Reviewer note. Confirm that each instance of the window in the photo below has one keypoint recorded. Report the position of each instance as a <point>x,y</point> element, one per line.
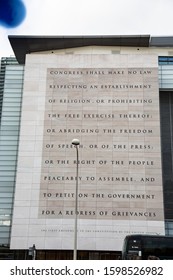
<point>165,60</point>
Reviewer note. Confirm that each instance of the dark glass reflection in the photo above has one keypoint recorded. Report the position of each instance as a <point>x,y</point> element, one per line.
<point>166,115</point>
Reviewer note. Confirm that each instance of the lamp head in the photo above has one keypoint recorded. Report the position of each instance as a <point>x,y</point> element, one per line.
<point>75,142</point>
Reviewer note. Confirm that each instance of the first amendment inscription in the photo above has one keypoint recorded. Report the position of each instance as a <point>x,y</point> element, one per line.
<point>115,115</point>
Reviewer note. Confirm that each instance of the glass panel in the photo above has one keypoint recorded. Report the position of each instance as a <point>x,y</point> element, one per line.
<point>165,85</point>
<point>9,179</point>
<point>13,127</point>
<point>165,80</point>
<point>13,139</point>
<point>4,233</point>
<point>5,201</point>
<point>6,195</point>
<point>14,68</point>
<point>166,114</point>
<point>5,222</point>
<point>8,153</point>
<point>11,113</point>
<point>10,143</point>
<point>14,99</point>
<point>5,211</point>
<point>165,60</point>
<point>13,92</point>
<point>16,76</point>
<point>9,104</point>
<point>167,71</point>
<point>7,206</point>
<point>4,240</point>
<point>7,148</point>
<point>10,118</point>
<point>10,123</point>
<point>5,187</point>
<point>11,109</point>
<point>12,85</point>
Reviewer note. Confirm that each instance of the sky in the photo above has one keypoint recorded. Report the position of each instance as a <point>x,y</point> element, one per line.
<point>85,17</point>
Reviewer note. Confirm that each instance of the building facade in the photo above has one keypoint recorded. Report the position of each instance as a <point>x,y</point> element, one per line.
<point>114,94</point>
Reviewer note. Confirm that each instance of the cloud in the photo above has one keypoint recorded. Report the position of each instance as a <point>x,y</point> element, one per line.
<point>12,13</point>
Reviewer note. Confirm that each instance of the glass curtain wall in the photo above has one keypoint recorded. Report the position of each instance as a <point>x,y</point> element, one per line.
<point>11,97</point>
<point>166,115</point>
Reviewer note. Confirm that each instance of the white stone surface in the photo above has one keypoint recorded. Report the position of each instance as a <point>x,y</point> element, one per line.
<point>112,155</point>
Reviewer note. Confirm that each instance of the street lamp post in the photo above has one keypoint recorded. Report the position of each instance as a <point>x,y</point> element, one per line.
<point>76,143</point>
